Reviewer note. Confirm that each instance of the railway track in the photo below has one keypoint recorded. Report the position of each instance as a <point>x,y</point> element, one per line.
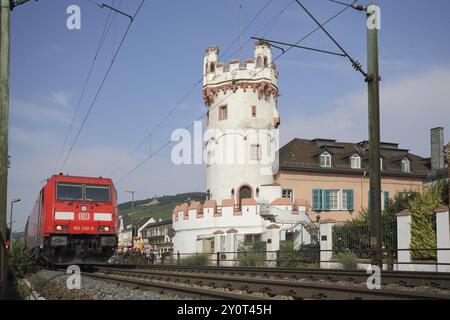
<point>405,279</point>
<point>257,283</point>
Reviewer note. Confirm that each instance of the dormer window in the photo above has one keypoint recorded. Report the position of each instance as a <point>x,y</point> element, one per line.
<point>406,165</point>
<point>355,162</point>
<point>325,159</point>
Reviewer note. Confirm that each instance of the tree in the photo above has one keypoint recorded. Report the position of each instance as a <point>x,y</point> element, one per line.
<point>423,224</point>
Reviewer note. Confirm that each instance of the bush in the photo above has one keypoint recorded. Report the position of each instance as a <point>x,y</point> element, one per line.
<point>196,260</point>
<point>21,259</point>
<point>289,256</point>
<point>252,255</point>
<point>348,260</point>
<point>134,259</point>
<point>423,229</point>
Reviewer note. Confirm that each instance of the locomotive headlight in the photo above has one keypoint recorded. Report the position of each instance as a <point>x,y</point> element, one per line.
<point>59,227</point>
<point>106,229</point>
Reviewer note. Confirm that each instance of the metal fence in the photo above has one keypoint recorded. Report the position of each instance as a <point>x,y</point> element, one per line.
<point>303,257</point>
<point>354,236</point>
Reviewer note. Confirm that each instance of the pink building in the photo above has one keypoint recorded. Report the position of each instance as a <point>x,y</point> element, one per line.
<point>333,176</point>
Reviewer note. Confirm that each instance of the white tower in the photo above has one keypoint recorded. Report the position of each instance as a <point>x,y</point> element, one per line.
<point>242,119</point>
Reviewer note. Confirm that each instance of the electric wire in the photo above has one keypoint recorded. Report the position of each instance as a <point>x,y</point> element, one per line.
<point>101,84</point>
<point>100,44</point>
<point>225,97</point>
<point>197,83</point>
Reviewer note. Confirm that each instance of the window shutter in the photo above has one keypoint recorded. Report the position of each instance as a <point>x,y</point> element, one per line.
<point>317,201</point>
<point>326,200</point>
<point>386,198</point>
<point>350,201</point>
<point>368,199</point>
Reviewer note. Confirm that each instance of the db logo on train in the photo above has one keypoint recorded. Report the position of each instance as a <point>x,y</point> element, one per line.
<point>83,216</point>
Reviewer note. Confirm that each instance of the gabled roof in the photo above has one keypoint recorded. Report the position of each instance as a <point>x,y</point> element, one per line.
<point>302,154</point>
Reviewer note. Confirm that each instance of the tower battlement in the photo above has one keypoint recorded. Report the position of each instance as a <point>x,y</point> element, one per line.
<point>258,74</point>
<point>260,67</point>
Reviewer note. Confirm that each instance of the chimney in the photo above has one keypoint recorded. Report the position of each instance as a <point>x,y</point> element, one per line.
<point>437,148</point>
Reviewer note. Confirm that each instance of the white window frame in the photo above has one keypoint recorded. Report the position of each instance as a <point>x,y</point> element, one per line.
<point>406,165</point>
<point>344,195</point>
<point>357,163</point>
<point>289,192</point>
<point>337,197</point>
<point>381,164</point>
<point>326,157</point>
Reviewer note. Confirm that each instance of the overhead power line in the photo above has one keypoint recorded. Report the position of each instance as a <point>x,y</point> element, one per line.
<point>225,97</point>
<point>100,44</point>
<point>102,83</point>
<point>355,63</point>
<point>197,83</point>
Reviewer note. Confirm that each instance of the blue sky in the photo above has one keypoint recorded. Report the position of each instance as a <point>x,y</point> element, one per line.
<point>162,57</point>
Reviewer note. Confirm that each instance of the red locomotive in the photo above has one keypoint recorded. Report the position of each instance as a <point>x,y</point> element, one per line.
<point>74,217</point>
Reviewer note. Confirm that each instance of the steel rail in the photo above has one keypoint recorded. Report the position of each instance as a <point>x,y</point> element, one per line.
<point>166,287</point>
<point>271,287</point>
<point>403,278</point>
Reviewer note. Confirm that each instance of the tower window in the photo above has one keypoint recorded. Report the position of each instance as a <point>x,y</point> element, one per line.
<point>258,62</point>
<point>406,165</point>
<point>207,118</point>
<point>254,111</point>
<point>325,160</point>
<point>266,61</point>
<point>255,152</point>
<point>223,112</point>
<point>212,67</point>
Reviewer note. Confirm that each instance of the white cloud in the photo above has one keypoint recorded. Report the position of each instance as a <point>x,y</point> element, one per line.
<point>60,98</point>
<point>40,112</point>
<point>409,108</point>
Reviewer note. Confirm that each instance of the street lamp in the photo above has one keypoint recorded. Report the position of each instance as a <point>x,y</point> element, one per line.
<point>132,218</point>
<point>11,220</point>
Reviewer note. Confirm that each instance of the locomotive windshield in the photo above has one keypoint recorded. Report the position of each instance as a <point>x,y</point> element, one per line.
<point>81,192</point>
<point>66,191</point>
<point>97,193</point>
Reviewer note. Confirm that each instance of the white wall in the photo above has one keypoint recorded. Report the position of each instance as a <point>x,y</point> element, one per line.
<point>443,240</point>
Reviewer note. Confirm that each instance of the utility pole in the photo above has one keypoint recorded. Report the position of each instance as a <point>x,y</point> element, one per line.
<point>373,79</point>
<point>4,110</point>
<point>373,83</point>
<point>132,214</point>
<point>11,222</point>
<point>6,7</point>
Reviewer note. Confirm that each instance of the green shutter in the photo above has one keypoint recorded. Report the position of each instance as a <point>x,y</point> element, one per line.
<point>386,199</point>
<point>326,200</point>
<point>317,199</point>
<point>350,201</point>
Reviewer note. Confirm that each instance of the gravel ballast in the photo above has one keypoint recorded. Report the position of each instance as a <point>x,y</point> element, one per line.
<point>52,285</point>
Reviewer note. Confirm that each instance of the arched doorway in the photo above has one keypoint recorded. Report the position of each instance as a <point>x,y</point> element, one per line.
<point>244,193</point>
